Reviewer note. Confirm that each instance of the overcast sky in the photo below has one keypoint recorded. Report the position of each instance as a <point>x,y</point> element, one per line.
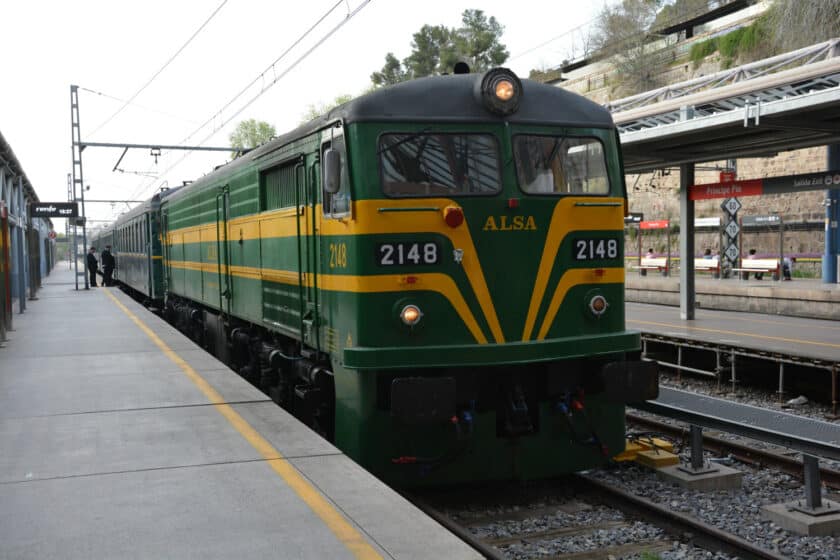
<point>111,49</point>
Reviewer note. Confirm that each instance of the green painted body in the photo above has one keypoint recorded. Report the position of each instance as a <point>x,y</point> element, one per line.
<point>316,280</point>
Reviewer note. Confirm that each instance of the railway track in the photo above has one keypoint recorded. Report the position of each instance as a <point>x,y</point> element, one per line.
<point>576,518</point>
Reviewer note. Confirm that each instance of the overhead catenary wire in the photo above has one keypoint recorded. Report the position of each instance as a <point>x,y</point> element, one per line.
<point>162,68</point>
<point>264,88</point>
<point>138,105</point>
<point>144,187</point>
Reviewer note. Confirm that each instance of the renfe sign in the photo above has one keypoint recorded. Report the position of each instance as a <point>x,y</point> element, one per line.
<point>654,224</point>
<point>53,209</point>
<point>771,185</point>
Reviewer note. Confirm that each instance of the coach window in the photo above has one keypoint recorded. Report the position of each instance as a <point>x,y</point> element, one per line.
<point>560,165</point>
<point>337,204</point>
<point>424,164</point>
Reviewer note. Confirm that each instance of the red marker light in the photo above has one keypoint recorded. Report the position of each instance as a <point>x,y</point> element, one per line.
<point>453,216</point>
<point>599,272</point>
<point>513,203</point>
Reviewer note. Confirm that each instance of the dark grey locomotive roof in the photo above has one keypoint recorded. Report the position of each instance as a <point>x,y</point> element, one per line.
<point>451,98</point>
<point>437,99</point>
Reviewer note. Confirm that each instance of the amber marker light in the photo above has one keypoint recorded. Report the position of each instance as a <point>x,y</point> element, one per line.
<point>411,315</point>
<point>499,90</point>
<point>505,90</point>
<point>598,305</point>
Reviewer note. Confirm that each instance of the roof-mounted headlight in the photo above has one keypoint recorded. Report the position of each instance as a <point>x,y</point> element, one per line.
<point>500,91</point>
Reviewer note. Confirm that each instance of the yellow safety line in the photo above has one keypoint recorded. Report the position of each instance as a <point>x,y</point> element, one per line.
<point>736,333</point>
<point>346,533</point>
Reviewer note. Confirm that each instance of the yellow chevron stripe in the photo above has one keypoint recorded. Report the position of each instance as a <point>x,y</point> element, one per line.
<point>434,282</point>
<point>568,217</point>
<point>282,223</point>
<point>571,278</point>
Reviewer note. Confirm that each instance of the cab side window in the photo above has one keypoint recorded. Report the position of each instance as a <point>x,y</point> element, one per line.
<point>337,204</point>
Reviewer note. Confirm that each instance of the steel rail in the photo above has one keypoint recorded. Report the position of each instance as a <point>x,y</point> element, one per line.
<point>704,535</point>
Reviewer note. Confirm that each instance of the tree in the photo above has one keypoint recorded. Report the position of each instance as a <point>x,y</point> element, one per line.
<point>313,112</point>
<point>391,73</point>
<point>250,134</point>
<point>477,41</point>
<point>436,49</point>
<point>623,34</point>
<point>431,46</point>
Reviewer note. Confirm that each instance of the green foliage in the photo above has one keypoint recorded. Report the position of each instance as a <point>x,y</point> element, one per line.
<point>744,44</point>
<point>250,134</point>
<point>650,556</point>
<point>313,111</point>
<point>391,73</point>
<point>701,50</point>
<point>436,49</point>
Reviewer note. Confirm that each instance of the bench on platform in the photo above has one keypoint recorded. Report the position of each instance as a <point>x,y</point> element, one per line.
<point>758,266</point>
<point>653,263</point>
<point>708,265</point>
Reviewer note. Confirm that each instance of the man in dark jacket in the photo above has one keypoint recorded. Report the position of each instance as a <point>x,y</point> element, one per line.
<point>92,265</point>
<point>108,264</point>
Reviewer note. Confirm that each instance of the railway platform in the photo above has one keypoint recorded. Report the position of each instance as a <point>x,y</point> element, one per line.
<point>121,438</point>
<point>800,297</point>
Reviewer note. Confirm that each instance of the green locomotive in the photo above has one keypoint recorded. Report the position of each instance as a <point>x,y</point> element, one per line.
<point>431,275</point>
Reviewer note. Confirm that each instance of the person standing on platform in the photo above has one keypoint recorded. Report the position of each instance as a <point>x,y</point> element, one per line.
<point>92,265</point>
<point>108,264</point>
<point>787,267</point>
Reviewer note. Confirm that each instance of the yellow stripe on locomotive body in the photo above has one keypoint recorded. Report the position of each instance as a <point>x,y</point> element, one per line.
<point>373,218</point>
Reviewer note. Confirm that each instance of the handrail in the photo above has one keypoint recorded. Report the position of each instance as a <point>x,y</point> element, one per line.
<point>661,406</point>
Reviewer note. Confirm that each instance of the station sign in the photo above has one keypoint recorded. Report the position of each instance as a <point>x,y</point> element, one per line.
<point>727,176</point>
<point>707,222</point>
<point>53,209</point>
<point>771,220</point>
<point>771,185</point>
<point>654,224</point>
<point>634,218</point>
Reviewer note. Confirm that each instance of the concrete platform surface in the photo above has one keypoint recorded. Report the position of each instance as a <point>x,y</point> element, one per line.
<point>113,449</point>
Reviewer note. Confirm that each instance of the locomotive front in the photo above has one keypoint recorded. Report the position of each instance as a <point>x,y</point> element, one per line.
<point>477,325</point>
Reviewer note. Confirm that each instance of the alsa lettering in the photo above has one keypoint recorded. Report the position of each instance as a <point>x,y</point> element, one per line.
<point>510,223</point>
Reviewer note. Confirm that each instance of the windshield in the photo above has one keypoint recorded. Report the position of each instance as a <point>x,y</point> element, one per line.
<point>560,165</point>
<point>427,164</point>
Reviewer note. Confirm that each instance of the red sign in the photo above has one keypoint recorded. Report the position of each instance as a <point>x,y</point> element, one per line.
<point>52,235</point>
<point>727,176</point>
<point>750,187</point>
<point>654,224</point>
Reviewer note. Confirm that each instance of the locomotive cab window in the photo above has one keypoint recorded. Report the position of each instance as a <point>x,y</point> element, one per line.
<point>427,164</point>
<point>336,200</point>
<point>560,165</point>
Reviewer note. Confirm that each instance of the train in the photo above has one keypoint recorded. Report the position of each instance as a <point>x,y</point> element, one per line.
<point>430,275</point>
